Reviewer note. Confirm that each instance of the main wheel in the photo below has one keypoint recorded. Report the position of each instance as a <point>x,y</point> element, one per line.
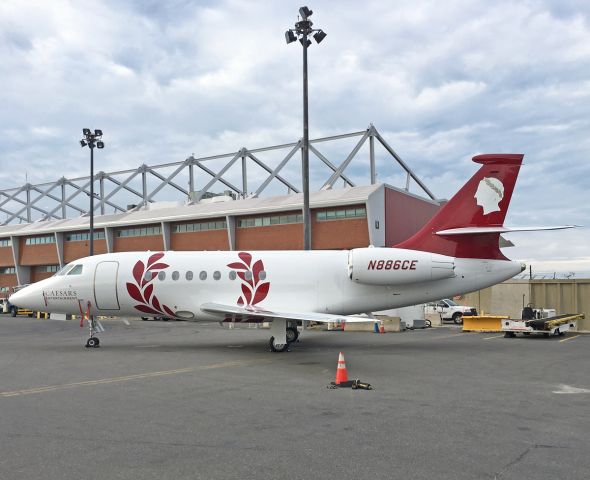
<point>277,347</point>
<point>458,318</point>
<point>92,342</point>
<point>292,334</point>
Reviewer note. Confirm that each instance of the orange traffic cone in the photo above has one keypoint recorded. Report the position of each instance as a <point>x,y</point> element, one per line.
<point>341,375</point>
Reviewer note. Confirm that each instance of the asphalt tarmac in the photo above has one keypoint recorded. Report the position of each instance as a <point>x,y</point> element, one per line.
<point>178,400</point>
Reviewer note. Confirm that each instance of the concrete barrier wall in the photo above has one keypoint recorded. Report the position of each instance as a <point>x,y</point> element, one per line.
<point>566,296</point>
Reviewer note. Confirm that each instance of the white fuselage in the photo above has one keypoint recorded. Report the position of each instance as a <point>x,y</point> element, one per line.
<point>299,281</point>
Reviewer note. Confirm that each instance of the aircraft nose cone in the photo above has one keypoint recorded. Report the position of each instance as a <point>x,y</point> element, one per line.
<point>15,298</point>
<point>23,298</point>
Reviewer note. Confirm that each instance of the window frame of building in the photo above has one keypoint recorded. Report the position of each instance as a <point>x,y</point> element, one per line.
<point>84,236</point>
<point>341,214</point>
<point>40,240</point>
<point>47,268</point>
<point>270,220</point>
<point>202,226</point>
<point>152,231</point>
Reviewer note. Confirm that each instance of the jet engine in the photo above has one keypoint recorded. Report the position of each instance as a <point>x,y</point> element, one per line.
<point>396,266</point>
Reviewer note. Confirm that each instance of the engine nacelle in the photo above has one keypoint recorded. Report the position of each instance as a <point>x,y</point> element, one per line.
<point>397,266</point>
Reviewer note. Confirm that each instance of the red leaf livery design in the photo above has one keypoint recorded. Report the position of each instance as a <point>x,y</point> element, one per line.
<point>254,289</point>
<point>142,291</point>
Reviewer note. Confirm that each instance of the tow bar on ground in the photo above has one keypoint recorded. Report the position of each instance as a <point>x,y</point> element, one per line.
<point>354,384</point>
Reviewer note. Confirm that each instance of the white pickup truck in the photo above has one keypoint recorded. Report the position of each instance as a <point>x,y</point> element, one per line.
<point>449,310</point>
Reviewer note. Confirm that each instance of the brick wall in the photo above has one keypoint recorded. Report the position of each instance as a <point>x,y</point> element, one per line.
<point>205,240</point>
<point>45,254</point>
<point>79,249</point>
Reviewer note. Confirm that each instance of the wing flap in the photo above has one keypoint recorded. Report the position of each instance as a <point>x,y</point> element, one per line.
<point>256,313</point>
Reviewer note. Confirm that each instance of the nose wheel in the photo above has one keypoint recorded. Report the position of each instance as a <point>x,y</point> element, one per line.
<point>94,327</point>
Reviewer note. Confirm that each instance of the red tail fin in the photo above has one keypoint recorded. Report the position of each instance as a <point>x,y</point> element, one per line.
<point>482,202</point>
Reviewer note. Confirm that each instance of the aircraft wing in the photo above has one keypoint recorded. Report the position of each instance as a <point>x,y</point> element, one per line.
<point>255,313</point>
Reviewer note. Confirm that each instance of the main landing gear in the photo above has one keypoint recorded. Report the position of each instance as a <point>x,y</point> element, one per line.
<point>283,334</point>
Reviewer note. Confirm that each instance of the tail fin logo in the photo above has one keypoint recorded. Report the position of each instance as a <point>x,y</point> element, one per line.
<point>489,194</point>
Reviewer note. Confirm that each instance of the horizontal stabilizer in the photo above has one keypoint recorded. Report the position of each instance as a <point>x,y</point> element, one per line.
<point>501,229</point>
<point>256,313</point>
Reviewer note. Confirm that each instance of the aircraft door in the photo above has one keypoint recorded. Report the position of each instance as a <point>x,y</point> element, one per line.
<point>105,286</point>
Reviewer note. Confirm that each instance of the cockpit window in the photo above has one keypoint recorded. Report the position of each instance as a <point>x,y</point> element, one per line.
<point>64,269</point>
<point>77,270</point>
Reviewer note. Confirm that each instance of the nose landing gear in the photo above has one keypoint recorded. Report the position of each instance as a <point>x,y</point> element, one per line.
<point>94,327</point>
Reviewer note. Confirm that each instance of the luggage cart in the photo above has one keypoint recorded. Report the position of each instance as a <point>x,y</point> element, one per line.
<point>557,325</point>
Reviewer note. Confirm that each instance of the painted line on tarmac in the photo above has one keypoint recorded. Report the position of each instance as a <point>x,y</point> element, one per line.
<point>442,337</point>
<point>495,336</point>
<point>568,390</point>
<point>147,346</point>
<point>569,338</point>
<point>140,376</point>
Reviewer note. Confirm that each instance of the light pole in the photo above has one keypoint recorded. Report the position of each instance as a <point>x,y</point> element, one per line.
<point>303,28</point>
<point>92,140</point>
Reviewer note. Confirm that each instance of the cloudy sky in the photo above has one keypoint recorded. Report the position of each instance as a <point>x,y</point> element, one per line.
<point>441,81</point>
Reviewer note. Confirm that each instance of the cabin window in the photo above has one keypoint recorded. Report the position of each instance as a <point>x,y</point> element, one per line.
<point>162,276</point>
<point>175,275</point>
<point>77,270</point>
<point>203,275</point>
<point>232,275</point>
<point>216,275</point>
<point>262,275</point>
<point>147,276</point>
<point>189,275</point>
<point>248,275</point>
